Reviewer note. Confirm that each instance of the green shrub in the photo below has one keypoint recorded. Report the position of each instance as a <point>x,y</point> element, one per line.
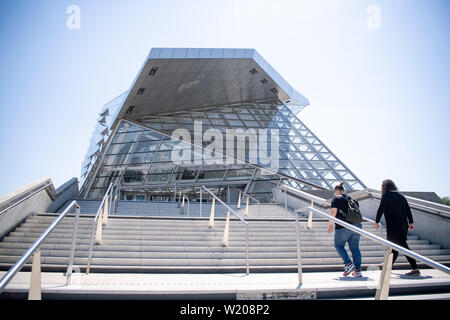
<point>446,200</point>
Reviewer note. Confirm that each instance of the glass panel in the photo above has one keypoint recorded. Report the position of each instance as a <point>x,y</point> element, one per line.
<point>120,148</point>
<point>148,146</point>
<point>128,127</point>
<point>125,137</point>
<point>163,156</point>
<point>252,124</point>
<point>235,123</point>
<point>142,157</point>
<point>150,136</point>
<point>211,175</point>
<point>239,174</point>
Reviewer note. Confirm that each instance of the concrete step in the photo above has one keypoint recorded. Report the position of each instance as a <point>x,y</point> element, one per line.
<point>211,236</point>
<point>149,244</point>
<point>196,228</point>
<point>218,253</point>
<point>209,248</point>
<point>180,223</point>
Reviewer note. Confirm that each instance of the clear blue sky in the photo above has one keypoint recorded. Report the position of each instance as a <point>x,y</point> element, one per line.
<point>379,97</point>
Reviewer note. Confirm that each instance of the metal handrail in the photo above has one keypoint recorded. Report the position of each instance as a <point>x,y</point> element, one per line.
<point>36,245</point>
<point>317,200</point>
<point>47,184</point>
<point>418,206</point>
<point>371,236</point>
<point>94,223</point>
<point>240,218</point>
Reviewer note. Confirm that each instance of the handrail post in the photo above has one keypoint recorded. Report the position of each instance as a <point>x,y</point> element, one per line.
<point>299,259</point>
<point>259,211</point>
<point>105,211</point>
<point>98,232</point>
<point>246,250</point>
<point>246,207</point>
<point>201,201</point>
<point>211,215</point>
<point>182,206</point>
<point>385,277</point>
<point>189,206</point>
<point>35,282</point>
<point>239,201</point>
<point>226,231</point>
<point>72,248</point>
<point>285,202</point>
<point>309,224</point>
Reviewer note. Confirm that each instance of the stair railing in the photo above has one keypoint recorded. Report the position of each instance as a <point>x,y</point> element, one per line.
<point>309,197</point>
<point>227,224</point>
<point>248,197</point>
<point>100,220</point>
<point>35,290</point>
<point>382,292</point>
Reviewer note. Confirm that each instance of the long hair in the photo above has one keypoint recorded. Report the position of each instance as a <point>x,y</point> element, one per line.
<point>388,185</point>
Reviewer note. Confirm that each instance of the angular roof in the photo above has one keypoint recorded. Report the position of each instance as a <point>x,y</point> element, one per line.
<point>173,79</point>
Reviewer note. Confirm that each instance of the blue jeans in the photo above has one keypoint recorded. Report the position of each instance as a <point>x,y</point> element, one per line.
<point>341,237</point>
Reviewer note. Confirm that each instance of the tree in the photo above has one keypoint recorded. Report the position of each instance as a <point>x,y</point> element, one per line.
<point>446,200</point>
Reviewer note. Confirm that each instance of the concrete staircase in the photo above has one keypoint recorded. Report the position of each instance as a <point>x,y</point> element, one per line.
<point>169,242</point>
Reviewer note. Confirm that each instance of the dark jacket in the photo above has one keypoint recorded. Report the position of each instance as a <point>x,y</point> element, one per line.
<point>397,213</point>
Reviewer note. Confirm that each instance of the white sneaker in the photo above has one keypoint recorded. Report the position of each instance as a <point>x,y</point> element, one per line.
<point>348,268</point>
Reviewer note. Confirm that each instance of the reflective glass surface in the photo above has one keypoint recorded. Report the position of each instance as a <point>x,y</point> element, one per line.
<point>142,156</point>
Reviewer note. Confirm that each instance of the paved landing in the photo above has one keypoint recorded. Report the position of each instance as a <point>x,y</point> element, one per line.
<point>253,286</point>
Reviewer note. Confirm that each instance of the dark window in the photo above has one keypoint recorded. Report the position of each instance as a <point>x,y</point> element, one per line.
<point>153,71</point>
<point>130,109</point>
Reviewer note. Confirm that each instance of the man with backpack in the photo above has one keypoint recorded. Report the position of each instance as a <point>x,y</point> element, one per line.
<point>345,208</point>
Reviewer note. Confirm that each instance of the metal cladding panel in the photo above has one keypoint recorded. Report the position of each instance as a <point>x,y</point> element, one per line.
<point>188,78</point>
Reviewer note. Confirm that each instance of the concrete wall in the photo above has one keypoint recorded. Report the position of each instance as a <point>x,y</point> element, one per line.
<point>66,192</point>
<point>40,201</point>
<point>294,202</point>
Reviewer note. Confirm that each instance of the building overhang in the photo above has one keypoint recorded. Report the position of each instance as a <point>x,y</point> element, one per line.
<point>174,79</point>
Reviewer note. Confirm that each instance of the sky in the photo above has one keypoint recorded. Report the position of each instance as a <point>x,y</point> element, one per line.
<point>376,73</point>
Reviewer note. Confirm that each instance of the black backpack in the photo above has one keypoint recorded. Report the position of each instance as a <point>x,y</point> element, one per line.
<point>353,214</point>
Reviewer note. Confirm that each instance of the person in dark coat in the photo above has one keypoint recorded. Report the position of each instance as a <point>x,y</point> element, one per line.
<point>398,218</point>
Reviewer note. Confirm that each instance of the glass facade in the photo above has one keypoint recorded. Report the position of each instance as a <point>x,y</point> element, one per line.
<point>140,155</point>
<point>101,134</point>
